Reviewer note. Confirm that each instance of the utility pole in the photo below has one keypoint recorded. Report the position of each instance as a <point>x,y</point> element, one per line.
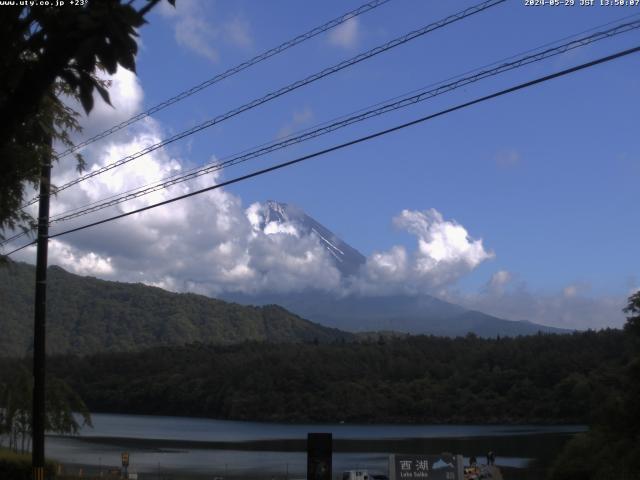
<point>40,321</point>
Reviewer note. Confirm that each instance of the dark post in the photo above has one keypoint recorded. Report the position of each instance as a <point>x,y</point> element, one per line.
<point>40,320</point>
<point>319,453</point>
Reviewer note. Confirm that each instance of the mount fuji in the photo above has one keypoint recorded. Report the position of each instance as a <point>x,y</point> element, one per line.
<point>423,314</point>
<point>347,259</point>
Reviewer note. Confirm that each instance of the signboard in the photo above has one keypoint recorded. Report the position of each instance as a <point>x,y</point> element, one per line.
<point>426,467</point>
<point>319,450</point>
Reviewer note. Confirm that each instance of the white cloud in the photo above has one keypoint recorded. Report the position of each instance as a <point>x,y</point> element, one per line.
<point>126,97</point>
<point>444,247</point>
<point>444,253</point>
<point>498,283</point>
<point>392,266</point>
<point>499,279</point>
<point>88,263</point>
<point>196,33</point>
<point>205,244</point>
<point>210,243</point>
<point>345,35</point>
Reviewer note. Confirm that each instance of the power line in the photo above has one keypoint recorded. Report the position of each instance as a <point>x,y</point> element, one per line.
<point>230,72</point>
<point>623,28</point>
<point>284,90</point>
<point>14,237</point>
<point>345,121</point>
<point>279,166</point>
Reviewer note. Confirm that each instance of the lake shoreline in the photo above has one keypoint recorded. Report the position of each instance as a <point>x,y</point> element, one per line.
<point>392,421</point>
<point>351,445</point>
<point>190,448</point>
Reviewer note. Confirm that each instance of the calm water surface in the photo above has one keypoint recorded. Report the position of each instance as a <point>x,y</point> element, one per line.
<point>163,445</point>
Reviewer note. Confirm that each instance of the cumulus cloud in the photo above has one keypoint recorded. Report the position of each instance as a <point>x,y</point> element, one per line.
<point>444,253</point>
<point>88,263</point>
<point>441,243</point>
<point>211,244</point>
<point>126,95</point>
<point>196,33</point>
<point>206,244</point>
<point>345,35</point>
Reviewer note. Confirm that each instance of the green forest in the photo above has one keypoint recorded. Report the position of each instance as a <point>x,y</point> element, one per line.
<point>586,377</point>
<point>87,315</point>
<point>246,363</point>
<point>534,379</point>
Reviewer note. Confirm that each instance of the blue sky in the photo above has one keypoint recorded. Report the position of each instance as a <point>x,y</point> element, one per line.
<point>546,177</point>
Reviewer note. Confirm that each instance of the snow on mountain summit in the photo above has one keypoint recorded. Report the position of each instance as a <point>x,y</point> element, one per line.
<point>276,216</point>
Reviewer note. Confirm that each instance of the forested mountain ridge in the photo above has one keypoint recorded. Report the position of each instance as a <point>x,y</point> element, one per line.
<point>533,379</point>
<point>88,315</point>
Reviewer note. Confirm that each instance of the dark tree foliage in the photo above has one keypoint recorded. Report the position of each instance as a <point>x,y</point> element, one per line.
<point>16,396</point>
<point>536,379</point>
<point>30,147</point>
<point>633,310</point>
<point>611,449</point>
<point>46,51</point>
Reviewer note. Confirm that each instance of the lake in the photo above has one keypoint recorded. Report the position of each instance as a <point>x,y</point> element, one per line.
<point>164,446</point>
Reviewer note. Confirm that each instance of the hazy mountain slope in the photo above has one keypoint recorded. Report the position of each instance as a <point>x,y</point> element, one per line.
<point>87,315</point>
<point>399,313</point>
